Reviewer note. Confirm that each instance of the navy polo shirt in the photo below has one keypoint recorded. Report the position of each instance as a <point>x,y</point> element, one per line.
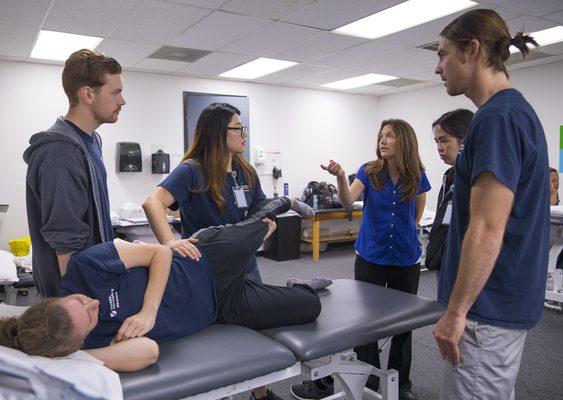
<point>388,234</point>
<point>506,139</point>
<point>188,303</point>
<point>197,208</point>
<point>95,153</point>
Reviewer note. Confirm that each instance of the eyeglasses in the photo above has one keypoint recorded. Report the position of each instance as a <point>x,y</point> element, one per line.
<point>243,130</point>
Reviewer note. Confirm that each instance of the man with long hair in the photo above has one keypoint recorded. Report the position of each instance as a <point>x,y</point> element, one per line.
<point>493,273</point>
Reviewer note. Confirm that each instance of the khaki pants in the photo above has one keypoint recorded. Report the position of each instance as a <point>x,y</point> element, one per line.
<point>490,360</point>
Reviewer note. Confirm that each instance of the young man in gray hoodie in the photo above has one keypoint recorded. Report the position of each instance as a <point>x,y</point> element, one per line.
<point>66,182</point>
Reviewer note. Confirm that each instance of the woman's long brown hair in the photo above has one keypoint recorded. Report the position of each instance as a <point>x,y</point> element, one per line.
<point>44,329</point>
<point>209,150</point>
<point>406,156</point>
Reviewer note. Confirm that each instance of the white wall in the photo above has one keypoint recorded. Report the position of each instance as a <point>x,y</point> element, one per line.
<point>307,126</point>
<point>542,86</point>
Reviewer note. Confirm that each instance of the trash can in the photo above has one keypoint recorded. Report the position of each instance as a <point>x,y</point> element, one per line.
<point>284,243</point>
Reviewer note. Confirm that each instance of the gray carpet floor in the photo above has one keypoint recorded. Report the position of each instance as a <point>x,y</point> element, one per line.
<point>541,372</point>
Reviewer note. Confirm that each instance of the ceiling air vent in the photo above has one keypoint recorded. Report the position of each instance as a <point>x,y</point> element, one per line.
<point>430,46</point>
<point>179,54</point>
<point>400,82</point>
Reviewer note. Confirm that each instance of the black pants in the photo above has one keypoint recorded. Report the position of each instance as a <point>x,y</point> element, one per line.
<point>401,278</point>
<point>243,301</point>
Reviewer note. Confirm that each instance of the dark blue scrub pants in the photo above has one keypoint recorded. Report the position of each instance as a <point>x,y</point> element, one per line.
<point>243,301</point>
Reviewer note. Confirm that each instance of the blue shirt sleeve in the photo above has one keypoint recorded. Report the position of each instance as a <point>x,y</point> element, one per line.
<point>493,148</point>
<point>423,184</point>
<point>180,184</point>
<point>361,176</point>
<point>99,265</point>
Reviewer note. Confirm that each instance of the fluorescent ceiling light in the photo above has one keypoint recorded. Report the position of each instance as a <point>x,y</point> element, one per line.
<point>59,45</point>
<point>403,16</point>
<point>257,68</point>
<point>358,81</point>
<point>545,37</point>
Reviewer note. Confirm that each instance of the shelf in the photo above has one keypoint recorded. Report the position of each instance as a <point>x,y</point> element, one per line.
<point>332,239</point>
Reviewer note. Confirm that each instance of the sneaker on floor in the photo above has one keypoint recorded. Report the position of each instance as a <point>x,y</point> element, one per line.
<point>406,393</point>
<point>270,395</point>
<point>312,390</point>
<point>317,283</point>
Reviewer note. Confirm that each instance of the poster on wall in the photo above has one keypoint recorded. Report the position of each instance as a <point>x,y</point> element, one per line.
<point>194,103</point>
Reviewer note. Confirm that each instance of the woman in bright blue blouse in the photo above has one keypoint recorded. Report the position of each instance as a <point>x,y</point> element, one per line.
<point>387,247</point>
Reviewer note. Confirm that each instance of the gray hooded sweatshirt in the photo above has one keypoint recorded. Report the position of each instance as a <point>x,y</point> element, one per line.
<point>63,201</point>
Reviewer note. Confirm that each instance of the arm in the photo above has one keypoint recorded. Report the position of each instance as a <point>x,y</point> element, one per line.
<point>347,195</point>
<point>128,355</point>
<point>154,207</point>
<point>490,206</point>
<point>63,261</point>
<point>419,207</point>
<point>158,260</point>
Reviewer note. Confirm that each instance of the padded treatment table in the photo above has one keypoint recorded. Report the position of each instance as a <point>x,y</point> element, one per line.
<point>218,356</point>
<point>224,359</point>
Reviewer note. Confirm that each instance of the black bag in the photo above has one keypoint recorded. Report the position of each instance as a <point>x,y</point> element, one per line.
<point>325,192</point>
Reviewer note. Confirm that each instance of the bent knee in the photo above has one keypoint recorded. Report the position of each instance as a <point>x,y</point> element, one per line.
<point>153,351</point>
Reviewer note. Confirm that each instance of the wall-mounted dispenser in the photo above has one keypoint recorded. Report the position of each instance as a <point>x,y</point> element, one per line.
<point>160,162</point>
<point>129,157</point>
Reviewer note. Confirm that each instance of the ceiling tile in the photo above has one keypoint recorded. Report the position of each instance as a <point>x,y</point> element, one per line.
<point>217,30</point>
<point>555,17</point>
<point>398,59</point>
<point>331,14</point>
<point>86,17</point>
<point>155,21</point>
<point>294,73</point>
<point>327,77</point>
<point>375,90</point>
<point>216,63</point>
<point>271,9</point>
<point>536,8</point>
<point>359,54</point>
<point>17,41</point>
<point>316,47</point>
<point>125,52</point>
<point>28,13</point>
<point>430,31</point>
<point>272,38</point>
<point>210,4</point>
<point>528,24</point>
<point>152,64</point>
<point>555,49</point>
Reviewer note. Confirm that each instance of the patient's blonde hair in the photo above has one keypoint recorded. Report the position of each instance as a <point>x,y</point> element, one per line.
<point>44,329</point>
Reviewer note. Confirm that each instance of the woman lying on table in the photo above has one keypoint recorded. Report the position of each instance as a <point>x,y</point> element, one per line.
<point>121,299</point>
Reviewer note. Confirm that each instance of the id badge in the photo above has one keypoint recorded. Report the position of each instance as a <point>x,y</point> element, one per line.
<point>240,198</point>
<point>448,214</point>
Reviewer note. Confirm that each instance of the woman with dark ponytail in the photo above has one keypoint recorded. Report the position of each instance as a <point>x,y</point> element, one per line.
<point>493,272</point>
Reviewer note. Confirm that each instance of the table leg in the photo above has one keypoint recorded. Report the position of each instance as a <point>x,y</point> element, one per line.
<point>316,239</point>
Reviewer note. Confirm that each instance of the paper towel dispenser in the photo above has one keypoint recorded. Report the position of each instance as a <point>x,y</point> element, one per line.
<point>160,162</point>
<point>129,157</point>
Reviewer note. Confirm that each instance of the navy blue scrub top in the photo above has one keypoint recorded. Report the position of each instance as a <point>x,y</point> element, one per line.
<point>188,303</point>
<point>505,138</point>
<point>197,208</point>
<point>388,234</point>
